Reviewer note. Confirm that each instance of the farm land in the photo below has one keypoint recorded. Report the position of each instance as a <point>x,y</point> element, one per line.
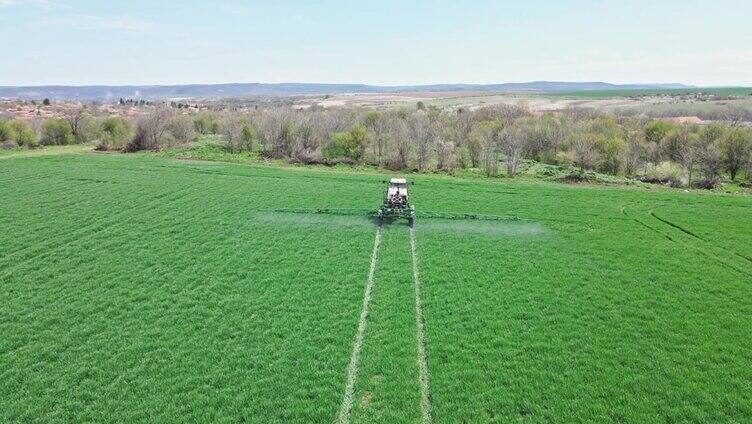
<point>142,288</point>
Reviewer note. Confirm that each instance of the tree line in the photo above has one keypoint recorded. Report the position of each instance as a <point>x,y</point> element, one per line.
<point>496,140</point>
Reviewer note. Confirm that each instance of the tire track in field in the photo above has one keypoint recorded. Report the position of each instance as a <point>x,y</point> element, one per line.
<point>352,368</point>
<point>420,323</point>
<point>692,246</point>
<point>688,232</point>
<point>655,230</point>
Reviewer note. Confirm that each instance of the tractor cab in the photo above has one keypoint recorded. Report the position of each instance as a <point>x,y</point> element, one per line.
<point>397,202</point>
<point>396,193</point>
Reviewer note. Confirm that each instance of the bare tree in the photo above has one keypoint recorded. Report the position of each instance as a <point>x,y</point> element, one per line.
<point>378,124</point>
<point>543,137</point>
<point>736,116</point>
<point>401,144</point>
<point>460,125</point>
<point>513,147</point>
<point>151,130</point>
<point>76,119</point>
<point>232,129</point>
<point>635,153</point>
<point>584,150</point>
<point>489,152</point>
<point>422,134</point>
<point>446,154</point>
<point>308,137</point>
<point>681,146</point>
<point>182,129</point>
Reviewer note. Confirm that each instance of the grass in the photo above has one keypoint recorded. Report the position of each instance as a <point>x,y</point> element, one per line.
<point>141,288</point>
<point>44,151</point>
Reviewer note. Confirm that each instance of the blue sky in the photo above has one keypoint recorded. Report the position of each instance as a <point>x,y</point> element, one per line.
<point>379,42</point>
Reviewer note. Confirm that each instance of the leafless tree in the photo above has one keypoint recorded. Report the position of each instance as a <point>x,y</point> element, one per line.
<point>489,152</point>
<point>309,136</point>
<point>513,147</point>
<point>584,150</point>
<point>402,146</point>
<point>378,125</point>
<point>681,146</point>
<point>459,126</point>
<point>736,116</point>
<point>635,153</point>
<point>182,129</point>
<point>76,118</point>
<point>232,128</point>
<point>422,133</point>
<point>151,130</point>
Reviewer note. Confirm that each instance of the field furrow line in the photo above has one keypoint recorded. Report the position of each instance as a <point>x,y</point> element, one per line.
<point>23,178</point>
<point>62,193</point>
<point>79,233</point>
<point>114,242</point>
<point>352,368</point>
<point>28,200</point>
<point>420,323</point>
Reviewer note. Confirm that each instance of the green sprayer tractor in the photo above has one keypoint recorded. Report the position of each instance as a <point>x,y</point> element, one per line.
<point>396,203</point>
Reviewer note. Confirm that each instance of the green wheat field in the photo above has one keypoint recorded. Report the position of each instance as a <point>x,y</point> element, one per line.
<point>138,288</point>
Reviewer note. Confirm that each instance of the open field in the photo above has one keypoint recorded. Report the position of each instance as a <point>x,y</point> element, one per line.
<point>140,288</point>
<point>609,94</point>
<point>654,102</point>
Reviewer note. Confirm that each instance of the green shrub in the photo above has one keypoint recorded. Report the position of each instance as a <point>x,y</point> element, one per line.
<point>206,123</point>
<point>56,132</point>
<point>611,153</point>
<point>349,145</point>
<point>114,133</point>
<point>563,158</point>
<point>4,131</point>
<point>247,138</point>
<point>656,130</point>
<point>22,133</point>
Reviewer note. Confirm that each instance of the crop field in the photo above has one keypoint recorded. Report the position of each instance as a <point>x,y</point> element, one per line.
<point>607,94</point>
<point>140,288</point>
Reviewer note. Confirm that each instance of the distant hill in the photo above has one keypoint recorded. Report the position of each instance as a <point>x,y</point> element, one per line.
<point>213,91</point>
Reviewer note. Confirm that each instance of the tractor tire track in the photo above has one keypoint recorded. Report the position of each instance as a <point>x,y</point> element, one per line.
<point>700,250</point>
<point>653,229</point>
<point>420,323</point>
<point>678,227</point>
<point>352,368</point>
<point>690,233</point>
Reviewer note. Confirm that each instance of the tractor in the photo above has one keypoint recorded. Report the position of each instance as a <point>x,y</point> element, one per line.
<point>396,203</point>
